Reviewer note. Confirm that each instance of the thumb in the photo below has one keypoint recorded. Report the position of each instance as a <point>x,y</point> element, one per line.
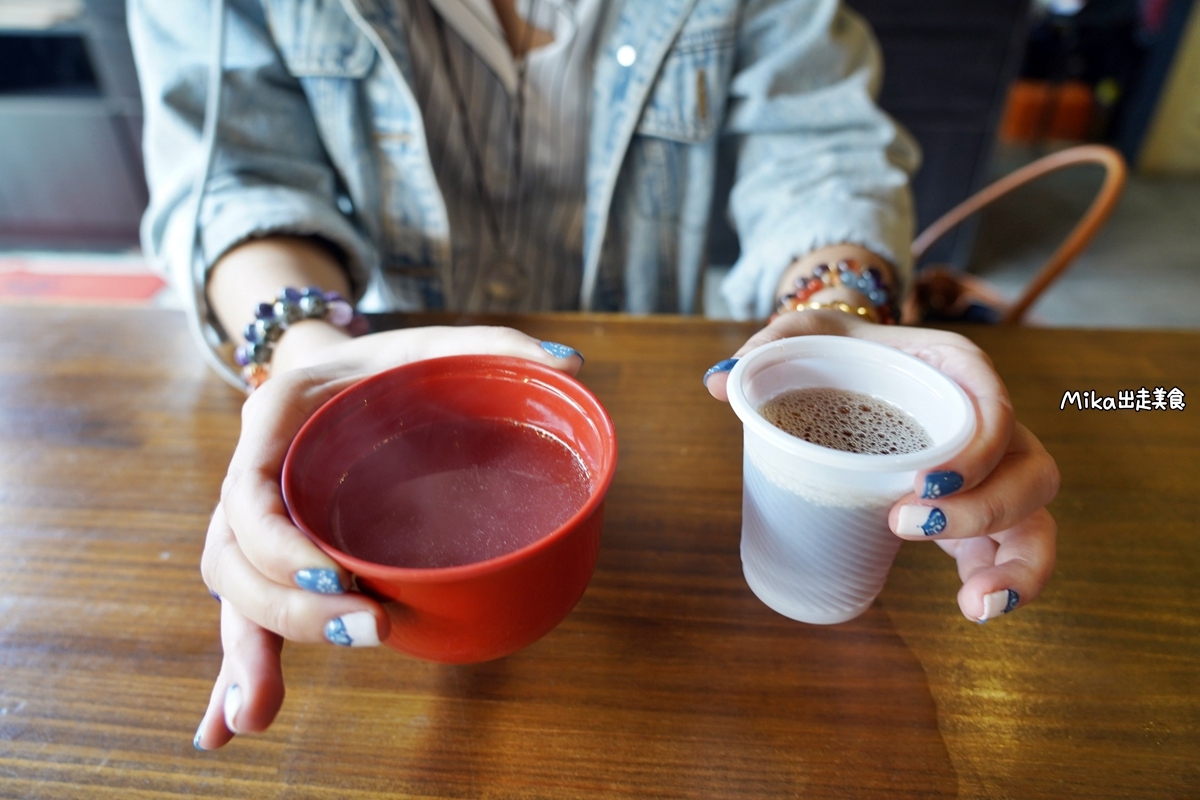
<point>783,326</point>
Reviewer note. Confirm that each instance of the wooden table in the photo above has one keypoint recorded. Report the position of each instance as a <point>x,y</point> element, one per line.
<point>669,679</point>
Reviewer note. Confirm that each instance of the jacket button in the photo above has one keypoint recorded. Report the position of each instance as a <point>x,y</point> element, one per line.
<point>626,55</point>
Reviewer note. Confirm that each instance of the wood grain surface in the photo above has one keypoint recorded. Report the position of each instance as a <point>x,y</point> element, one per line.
<point>669,679</point>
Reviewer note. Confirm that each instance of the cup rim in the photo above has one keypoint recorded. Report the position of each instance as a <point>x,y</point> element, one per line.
<point>533,370</point>
<point>795,347</point>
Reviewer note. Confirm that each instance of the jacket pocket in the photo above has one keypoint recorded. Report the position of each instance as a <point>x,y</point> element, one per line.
<point>318,39</point>
<point>688,98</point>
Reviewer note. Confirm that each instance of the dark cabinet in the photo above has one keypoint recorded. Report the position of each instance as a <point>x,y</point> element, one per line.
<point>947,66</point>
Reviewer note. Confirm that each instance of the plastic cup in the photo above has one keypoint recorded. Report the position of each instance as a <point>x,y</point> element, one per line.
<point>815,540</point>
<point>486,609</point>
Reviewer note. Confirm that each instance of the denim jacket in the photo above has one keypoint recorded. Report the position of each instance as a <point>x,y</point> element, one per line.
<point>319,133</point>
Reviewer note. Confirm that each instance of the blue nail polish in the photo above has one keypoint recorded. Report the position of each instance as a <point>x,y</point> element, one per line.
<point>196,743</point>
<point>320,581</point>
<point>1013,600</point>
<point>720,366</point>
<point>561,350</point>
<point>940,484</point>
<point>335,631</point>
<point>936,522</point>
<point>215,596</point>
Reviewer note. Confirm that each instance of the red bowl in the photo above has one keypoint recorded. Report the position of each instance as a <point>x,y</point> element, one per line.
<point>487,609</point>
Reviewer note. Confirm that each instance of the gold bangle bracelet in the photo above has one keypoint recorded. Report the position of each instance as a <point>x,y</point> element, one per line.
<point>862,312</point>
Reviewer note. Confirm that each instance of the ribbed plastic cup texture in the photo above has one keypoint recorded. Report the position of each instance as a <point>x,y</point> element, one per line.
<point>815,540</point>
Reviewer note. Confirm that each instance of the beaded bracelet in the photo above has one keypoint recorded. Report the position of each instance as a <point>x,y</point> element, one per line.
<point>868,313</point>
<point>851,274</point>
<point>272,319</point>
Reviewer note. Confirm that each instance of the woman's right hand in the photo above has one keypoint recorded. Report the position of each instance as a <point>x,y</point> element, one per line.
<point>273,583</point>
<point>991,497</point>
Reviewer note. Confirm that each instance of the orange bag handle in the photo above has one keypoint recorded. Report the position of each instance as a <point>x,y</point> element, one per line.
<point>1077,240</point>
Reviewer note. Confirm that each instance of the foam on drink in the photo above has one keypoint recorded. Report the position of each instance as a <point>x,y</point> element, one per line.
<point>844,420</point>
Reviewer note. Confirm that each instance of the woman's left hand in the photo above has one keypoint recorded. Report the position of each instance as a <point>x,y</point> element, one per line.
<point>985,506</point>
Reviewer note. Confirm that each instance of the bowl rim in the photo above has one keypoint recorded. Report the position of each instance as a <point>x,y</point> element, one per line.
<point>551,378</point>
<point>799,348</point>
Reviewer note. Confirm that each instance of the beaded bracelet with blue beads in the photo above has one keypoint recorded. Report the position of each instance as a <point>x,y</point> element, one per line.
<point>272,319</point>
<point>868,280</point>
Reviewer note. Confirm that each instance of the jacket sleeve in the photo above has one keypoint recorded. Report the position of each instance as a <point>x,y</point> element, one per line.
<point>270,172</point>
<point>818,163</point>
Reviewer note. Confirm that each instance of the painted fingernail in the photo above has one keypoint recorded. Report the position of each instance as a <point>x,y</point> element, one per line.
<point>353,630</point>
<point>720,366</point>
<point>215,596</point>
<point>233,704</point>
<point>561,350</point>
<point>998,603</point>
<point>920,521</point>
<point>940,484</point>
<point>196,742</point>
<point>320,581</point>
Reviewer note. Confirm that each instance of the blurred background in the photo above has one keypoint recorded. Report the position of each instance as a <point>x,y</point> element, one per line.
<point>984,86</point>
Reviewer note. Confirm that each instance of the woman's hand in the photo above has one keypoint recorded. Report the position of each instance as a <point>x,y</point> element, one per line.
<point>274,583</point>
<point>986,506</point>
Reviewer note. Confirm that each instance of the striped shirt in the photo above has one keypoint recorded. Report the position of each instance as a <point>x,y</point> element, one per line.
<point>512,167</point>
